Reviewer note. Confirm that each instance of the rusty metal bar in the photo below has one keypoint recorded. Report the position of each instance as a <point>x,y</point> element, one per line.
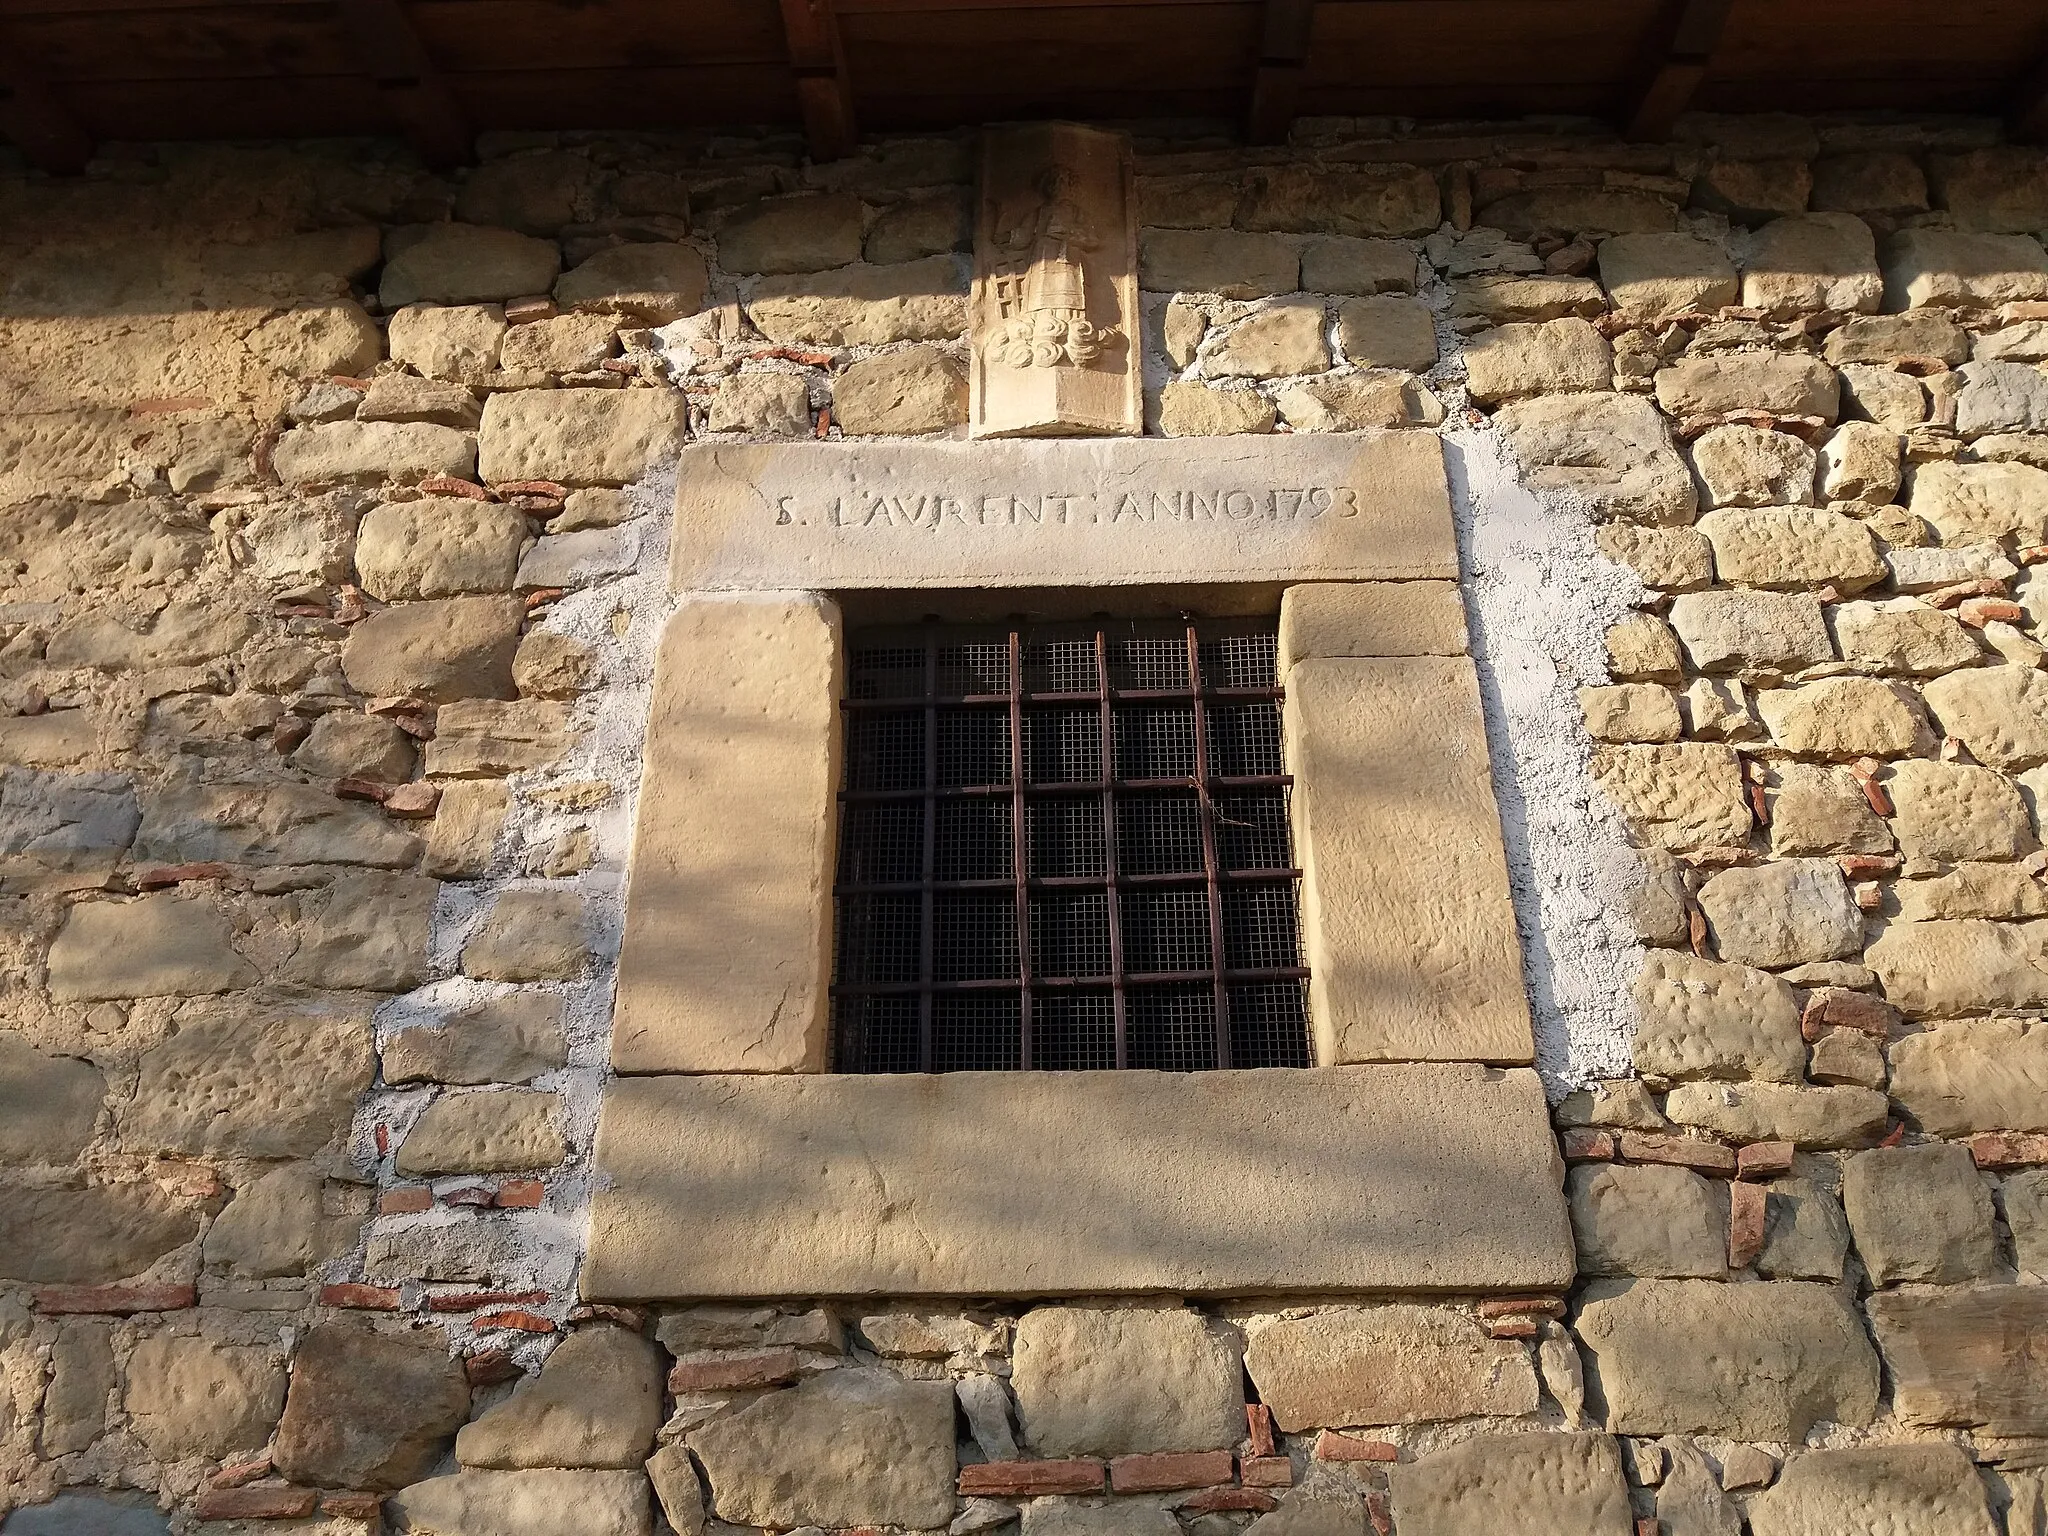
<point>926,916</point>
<point>1075,788</point>
<point>1203,768</point>
<point>1020,850</point>
<point>1134,978</point>
<point>1111,856</point>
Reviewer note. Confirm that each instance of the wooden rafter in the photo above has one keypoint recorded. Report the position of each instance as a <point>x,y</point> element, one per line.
<point>1283,60</point>
<point>33,119</point>
<point>1668,79</point>
<point>2027,114</point>
<point>824,86</point>
<point>389,51</point>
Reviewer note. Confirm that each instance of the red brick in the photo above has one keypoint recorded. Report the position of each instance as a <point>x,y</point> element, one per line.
<point>405,1202</point>
<point>417,799</point>
<point>1648,1526</point>
<point>448,485</point>
<point>1979,611</point>
<point>1331,1446</point>
<point>1763,1159</point>
<point>552,488</point>
<point>1585,1145</point>
<point>364,1298</point>
<point>123,1300</point>
<point>521,1194</point>
<point>177,874</point>
<point>1216,1500</point>
<point>2008,1149</point>
<point>236,1473</point>
<point>471,1301</point>
<point>1259,1420</point>
<point>488,1367</point>
<point>472,1196</point>
<point>1267,1472</point>
<point>352,1506</point>
<point>605,1312</point>
<point>1513,1328</point>
<point>732,1373</point>
<point>1521,1306</point>
<point>258,1501</point>
<point>1865,866</point>
<point>1028,1479</point>
<point>1679,1151</point>
<point>1163,1470</point>
<point>519,1321</point>
<point>362,789</point>
<point>1379,1510</point>
<point>1746,1208</point>
<point>1841,1008</point>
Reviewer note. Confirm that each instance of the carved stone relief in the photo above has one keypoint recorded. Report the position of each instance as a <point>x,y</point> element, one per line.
<point>1056,285</point>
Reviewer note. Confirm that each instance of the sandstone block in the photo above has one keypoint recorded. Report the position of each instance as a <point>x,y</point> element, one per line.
<point>91,1236</point>
<point>1813,262</point>
<point>1963,1357</point>
<point>1761,1362</point>
<point>1122,1381</point>
<point>280,1082</point>
<point>62,832</point>
<point>464,829</point>
<point>1649,1220</point>
<point>1806,1117</point>
<point>1287,338</point>
<point>153,946</point>
<point>578,436</point>
<point>653,282</point>
<point>1972,503</point>
<point>1532,1484</point>
<point>506,1131</point>
<point>1220,261</point>
<point>190,1397</point>
<point>1951,812</point>
<point>364,932</point>
<point>1673,559</point>
<point>561,344</point>
<point>1349,264</point>
<point>403,397</point>
<point>484,737</point>
<point>1615,451</point>
<point>1703,1018</point>
<point>1583,210</point>
<point>47,1103</point>
<point>1096,1517</point>
<point>2003,188</point>
<point>464,264</point>
<point>267,824</point>
<point>1751,191</point>
<point>1751,631</point>
<point>1973,890</point>
<point>678,1489</point>
<point>1902,637</point>
<point>1681,797</point>
<point>363,452</point>
<point>1321,620</point>
<point>1434,910</point>
<point>760,679</point>
<point>1631,712</point>
<point>851,1447</point>
<point>1843,717</point>
<point>1973,1075</point>
<point>507,1039</point>
<point>1920,1213</point>
<point>552,666</point>
<point>1787,913</point>
<point>792,234</point>
<point>1376,200</point>
<point>1742,466</point>
<point>864,306</point>
<point>1888,338</point>
<point>439,546</point>
<point>2001,397</point>
<point>920,389</point>
<point>2001,713</point>
<point>1895,401</point>
<point>81,1514</point>
<point>1644,648</point>
<point>534,1503</point>
<point>530,935</point>
<point>1386,1365</point>
<point>350,746</point>
<point>1188,409</point>
<point>490,1251</point>
<point>182,634</point>
<point>1806,1236</point>
<point>1555,357</point>
<point>1503,299</point>
<point>579,559</point>
<point>596,1403</point>
<point>1886,183</point>
<point>274,1226</point>
<point>82,1378</point>
<point>368,1410</point>
<point>1388,331</point>
<point>1351,402</point>
<point>459,342</point>
<point>454,648</point>
<point>1786,384</point>
<point>1817,809</point>
<point>767,404</point>
<point>2023,1199</point>
<point>922,226</point>
<point>1653,277</point>
<point>2025,342</point>
<point>1955,270</point>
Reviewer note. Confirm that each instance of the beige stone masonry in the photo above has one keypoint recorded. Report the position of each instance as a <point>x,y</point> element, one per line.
<point>1062,512</point>
<point>1370,618</point>
<point>729,917</point>
<point>1427,1178</point>
<point>1406,917</point>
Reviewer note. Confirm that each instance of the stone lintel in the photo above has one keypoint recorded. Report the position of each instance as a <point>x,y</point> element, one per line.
<point>1069,512</point>
<point>1321,620</point>
<point>1410,1178</point>
<point>729,907</point>
<point>1406,915</point>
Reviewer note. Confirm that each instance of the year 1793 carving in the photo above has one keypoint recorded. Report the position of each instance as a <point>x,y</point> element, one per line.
<point>934,510</point>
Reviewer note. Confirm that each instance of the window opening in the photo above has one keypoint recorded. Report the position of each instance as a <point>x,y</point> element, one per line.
<point>1066,847</point>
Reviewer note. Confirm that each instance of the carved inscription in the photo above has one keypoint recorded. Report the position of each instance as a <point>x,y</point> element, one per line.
<point>936,511</point>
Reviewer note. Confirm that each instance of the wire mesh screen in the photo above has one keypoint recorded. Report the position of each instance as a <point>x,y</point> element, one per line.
<point>1066,849</point>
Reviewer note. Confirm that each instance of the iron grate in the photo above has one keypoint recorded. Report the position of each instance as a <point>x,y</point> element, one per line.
<point>1146,914</point>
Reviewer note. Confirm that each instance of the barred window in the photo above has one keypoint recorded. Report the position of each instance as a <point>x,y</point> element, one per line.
<point>1066,847</point>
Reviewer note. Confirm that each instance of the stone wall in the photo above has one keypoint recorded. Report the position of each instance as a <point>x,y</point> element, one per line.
<point>335,518</point>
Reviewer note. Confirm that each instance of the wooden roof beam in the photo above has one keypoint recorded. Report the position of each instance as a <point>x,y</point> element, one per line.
<point>388,49</point>
<point>1665,86</point>
<point>2026,116</point>
<point>48,136</point>
<point>1284,33</point>
<point>824,85</point>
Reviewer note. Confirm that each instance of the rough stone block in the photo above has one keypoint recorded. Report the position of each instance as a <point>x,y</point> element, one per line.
<point>1920,1213</point>
<point>653,283</point>
<point>560,344</point>
<point>1375,200</point>
<point>464,264</point>
<point>1938,969</point>
<point>1966,1357</point>
<point>1788,913</point>
<point>1220,261</point>
<point>483,736</point>
<point>363,931</point>
<point>920,389</point>
<point>164,945</point>
<point>1615,451</point>
<point>1817,810</point>
<point>509,1130</point>
<point>48,1104</point>
<point>2000,712</point>
<point>1751,1362</point>
<point>1975,503</point>
<point>578,436</point>
<point>1386,1365</point>
<point>1652,277</point>
<point>1843,717</point>
<point>1957,270</point>
<point>1885,183</point>
<point>1701,1018</point>
<point>190,1397</point>
<point>1285,338</point>
<point>1931,1490</point>
<point>535,1503</point>
<point>459,342</point>
<point>1502,299</point>
<point>1400,742</point>
<point>275,1226</point>
<point>1124,1381</point>
<point>1096,1517</point>
<point>507,1039</point>
<point>972,1183</point>
<point>808,233</point>
<point>1652,1221</point>
<point>595,1403</point>
<point>350,746</point>
<point>1348,264</point>
<point>1952,812</point>
<point>1673,559</point>
<point>439,546</point>
<point>1532,1484</point>
<point>464,829</point>
<point>851,1447</point>
<point>1189,409</point>
<point>922,226</point>
<point>1806,1235</point>
<point>1902,637</point>
<point>1631,712</point>
<point>1750,191</point>
<point>87,1514</point>
<point>1972,1075</point>
<point>368,1410</point>
<point>1751,631</point>
<point>1681,797</point>
<point>455,648</point>
<point>530,935</point>
<point>1554,357</point>
<point>1786,384</point>
<point>62,832</point>
<point>1354,401</point>
<point>1741,466</point>
<point>1387,331</point>
<point>770,404</point>
<point>364,452</point>
<point>1813,262</point>
<point>862,306</point>
<point>1806,1117</point>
